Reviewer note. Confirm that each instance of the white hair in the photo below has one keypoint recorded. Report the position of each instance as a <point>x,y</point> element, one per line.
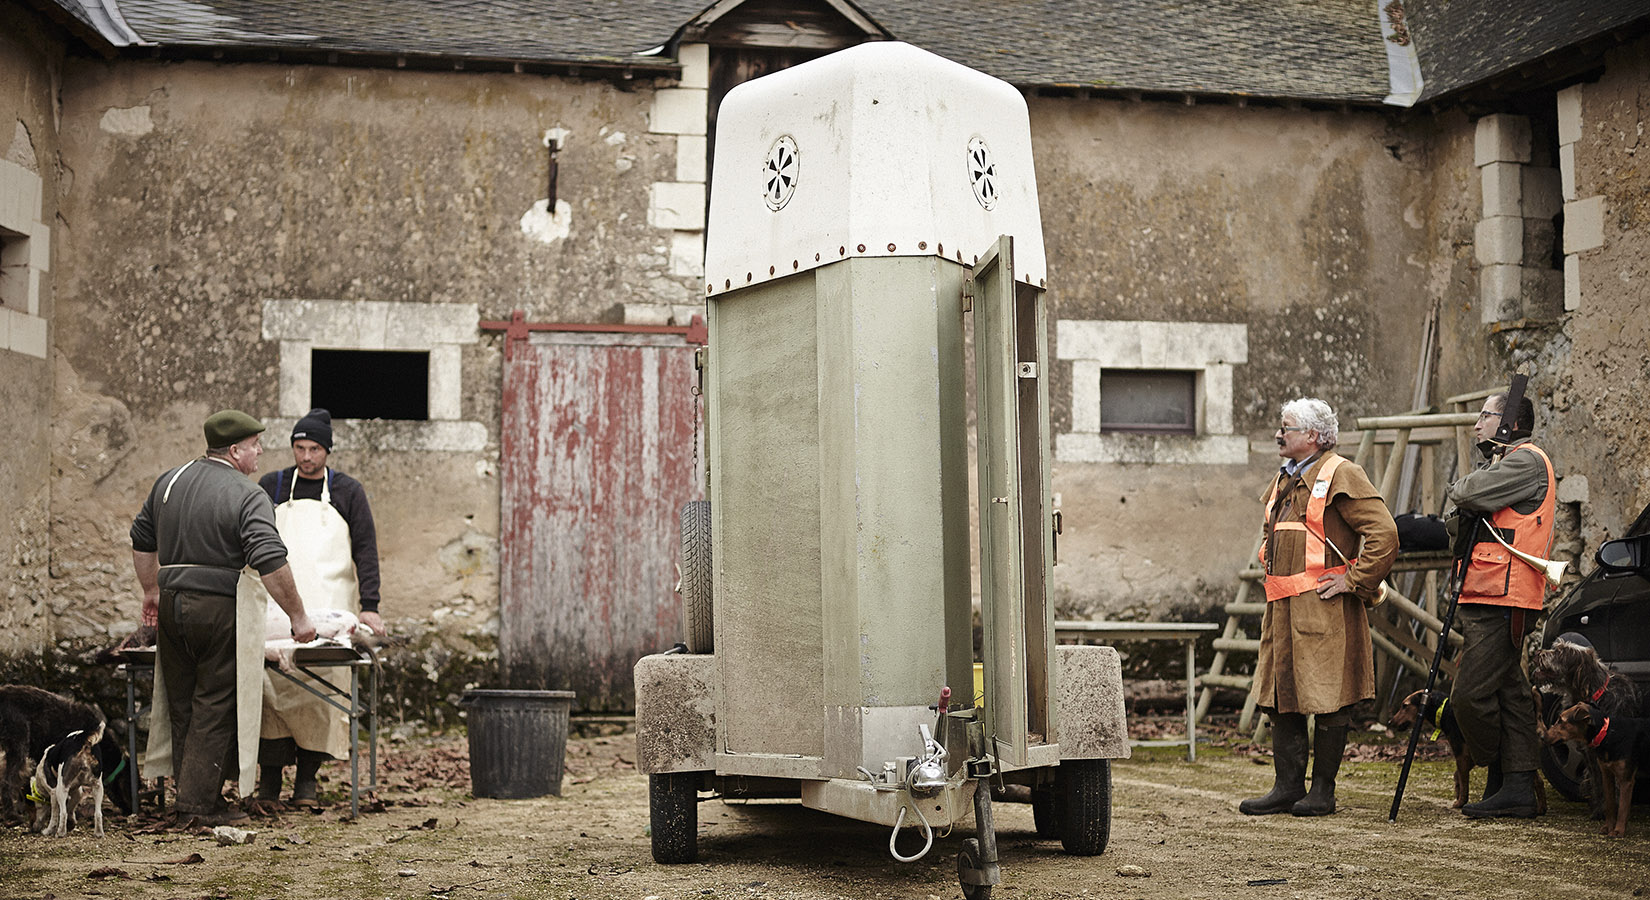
<point>1312,413</point>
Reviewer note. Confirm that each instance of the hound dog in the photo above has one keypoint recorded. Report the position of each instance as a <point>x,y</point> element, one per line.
<point>67,773</point>
<point>1577,671</point>
<point>31,720</point>
<point>1621,742</point>
<point>1433,708</point>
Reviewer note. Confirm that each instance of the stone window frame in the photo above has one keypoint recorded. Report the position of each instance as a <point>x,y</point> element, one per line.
<point>1210,349</point>
<point>25,254</point>
<point>440,329</point>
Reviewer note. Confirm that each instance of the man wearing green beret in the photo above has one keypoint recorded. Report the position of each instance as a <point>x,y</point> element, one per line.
<point>202,524</point>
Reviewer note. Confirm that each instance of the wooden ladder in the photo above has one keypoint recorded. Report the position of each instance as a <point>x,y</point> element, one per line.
<point>1383,446</point>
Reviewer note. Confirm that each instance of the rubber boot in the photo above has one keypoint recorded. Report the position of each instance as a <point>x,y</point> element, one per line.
<point>1328,745</point>
<point>269,784</point>
<point>1492,782</point>
<point>303,784</point>
<point>1515,800</point>
<point>1289,767</point>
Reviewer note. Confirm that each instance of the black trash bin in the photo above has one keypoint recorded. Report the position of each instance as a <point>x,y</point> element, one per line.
<point>518,740</point>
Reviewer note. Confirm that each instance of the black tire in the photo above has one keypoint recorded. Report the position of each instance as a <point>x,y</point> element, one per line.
<point>673,808</point>
<point>1564,763</point>
<point>1045,812</point>
<point>1083,787</point>
<point>696,580</point>
<point>969,858</point>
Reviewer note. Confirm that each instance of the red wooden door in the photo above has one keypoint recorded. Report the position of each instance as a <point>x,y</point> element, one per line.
<point>597,459</point>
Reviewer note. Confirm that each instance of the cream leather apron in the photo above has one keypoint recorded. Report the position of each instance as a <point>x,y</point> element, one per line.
<point>249,677</point>
<point>318,549</point>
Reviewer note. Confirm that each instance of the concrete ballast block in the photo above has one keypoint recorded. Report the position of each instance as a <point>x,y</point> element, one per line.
<point>1503,186</point>
<point>1501,138</point>
<point>1584,225</point>
<point>1499,240</point>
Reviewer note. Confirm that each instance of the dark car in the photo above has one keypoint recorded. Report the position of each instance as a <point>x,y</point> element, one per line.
<point>1611,609</point>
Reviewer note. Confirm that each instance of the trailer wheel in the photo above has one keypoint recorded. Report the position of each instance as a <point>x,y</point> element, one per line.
<point>1083,787</point>
<point>673,809</point>
<point>968,859</point>
<point>1045,812</point>
<point>696,582</point>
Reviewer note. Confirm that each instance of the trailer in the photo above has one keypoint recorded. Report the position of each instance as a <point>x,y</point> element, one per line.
<point>874,231</point>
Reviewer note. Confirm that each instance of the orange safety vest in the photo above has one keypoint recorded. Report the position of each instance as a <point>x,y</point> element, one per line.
<point>1281,586</point>
<point>1494,577</point>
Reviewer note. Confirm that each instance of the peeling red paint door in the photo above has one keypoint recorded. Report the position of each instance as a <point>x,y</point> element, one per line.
<point>597,459</point>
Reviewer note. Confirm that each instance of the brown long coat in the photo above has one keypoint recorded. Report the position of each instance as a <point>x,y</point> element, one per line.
<point>1315,654</point>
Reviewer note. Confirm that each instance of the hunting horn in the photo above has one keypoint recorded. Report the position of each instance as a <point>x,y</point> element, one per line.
<point>1552,570</point>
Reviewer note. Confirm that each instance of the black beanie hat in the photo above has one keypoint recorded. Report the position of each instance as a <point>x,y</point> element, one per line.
<point>315,426</point>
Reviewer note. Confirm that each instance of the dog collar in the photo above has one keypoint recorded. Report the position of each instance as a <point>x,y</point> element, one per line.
<point>1598,694</point>
<point>1602,731</point>
<point>1438,719</point>
<point>110,778</point>
<point>34,796</point>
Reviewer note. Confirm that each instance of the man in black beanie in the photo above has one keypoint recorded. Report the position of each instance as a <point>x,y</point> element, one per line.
<point>324,517</point>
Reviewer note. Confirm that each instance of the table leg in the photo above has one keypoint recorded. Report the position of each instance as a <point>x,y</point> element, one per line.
<point>1191,702</point>
<point>354,741</point>
<point>131,735</point>
<point>372,734</point>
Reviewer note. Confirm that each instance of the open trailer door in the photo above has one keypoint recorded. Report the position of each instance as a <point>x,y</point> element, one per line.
<point>1011,403</point>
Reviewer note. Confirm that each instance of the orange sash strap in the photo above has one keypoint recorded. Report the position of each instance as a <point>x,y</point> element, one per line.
<point>1281,586</point>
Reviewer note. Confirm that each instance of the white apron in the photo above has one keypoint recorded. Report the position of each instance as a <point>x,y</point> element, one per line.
<point>318,550</point>
<point>249,678</point>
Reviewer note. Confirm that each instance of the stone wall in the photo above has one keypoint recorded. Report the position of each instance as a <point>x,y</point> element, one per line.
<point>1279,252</point>
<point>1599,364</point>
<point>209,199</point>
<point>31,68</point>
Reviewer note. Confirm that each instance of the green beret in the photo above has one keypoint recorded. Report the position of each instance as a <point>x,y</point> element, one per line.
<point>227,426</point>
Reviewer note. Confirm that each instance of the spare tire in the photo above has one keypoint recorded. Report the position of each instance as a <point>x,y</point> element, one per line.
<point>696,580</point>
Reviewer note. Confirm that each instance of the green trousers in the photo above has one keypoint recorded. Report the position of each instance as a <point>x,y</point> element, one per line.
<point>196,652</point>
<point>1491,697</point>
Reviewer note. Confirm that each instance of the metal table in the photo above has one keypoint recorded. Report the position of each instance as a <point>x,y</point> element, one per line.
<point>306,659</point>
<point>1185,632</point>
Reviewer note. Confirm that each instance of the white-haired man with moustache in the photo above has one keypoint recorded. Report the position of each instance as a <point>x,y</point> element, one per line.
<point>1315,654</point>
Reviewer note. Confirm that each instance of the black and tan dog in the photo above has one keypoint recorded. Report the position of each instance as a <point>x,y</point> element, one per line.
<point>1620,743</point>
<point>1433,708</point>
<point>1575,669</point>
<point>31,720</point>
<point>68,772</point>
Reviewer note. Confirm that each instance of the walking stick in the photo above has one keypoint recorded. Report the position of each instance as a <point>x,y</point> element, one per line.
<point>1510,408</point>
<point>1458,575</point>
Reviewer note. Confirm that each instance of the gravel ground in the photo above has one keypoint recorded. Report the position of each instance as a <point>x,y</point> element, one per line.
<point>1176,833</point>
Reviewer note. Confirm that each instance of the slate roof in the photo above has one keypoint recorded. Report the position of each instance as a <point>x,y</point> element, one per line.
<point>1328,49</point>
<point>538,30</point>
<point>1463,43</point>
<point>1306,49</point>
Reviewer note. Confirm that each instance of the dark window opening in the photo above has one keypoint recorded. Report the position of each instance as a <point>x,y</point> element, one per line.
<point>1153,401</point>
<point>14,270</point>
<point>371,384</point>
